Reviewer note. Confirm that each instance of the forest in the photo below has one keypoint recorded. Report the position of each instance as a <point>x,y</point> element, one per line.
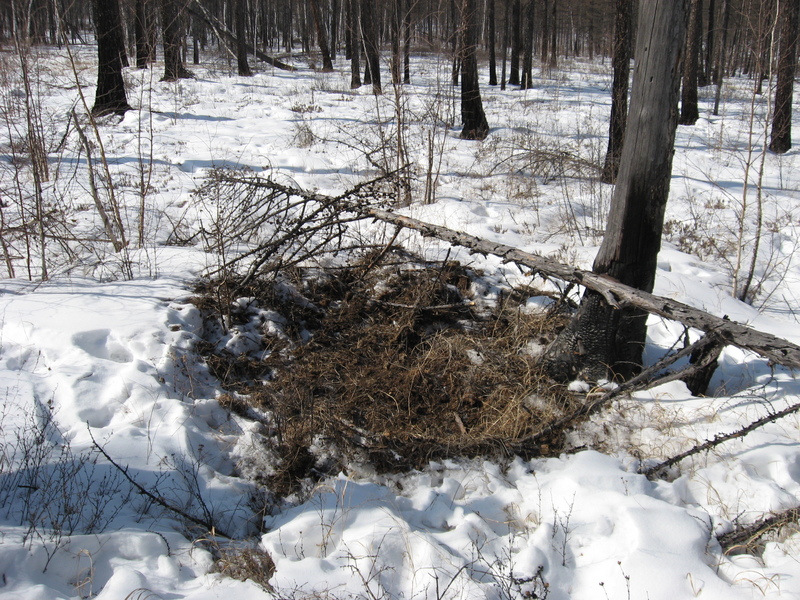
<point>399,299</point>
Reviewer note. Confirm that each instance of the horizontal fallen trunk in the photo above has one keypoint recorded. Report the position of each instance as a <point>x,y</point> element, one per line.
<point>199,11</point>
<point>773,348</point>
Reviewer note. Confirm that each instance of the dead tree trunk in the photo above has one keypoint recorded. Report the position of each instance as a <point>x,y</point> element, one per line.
<point>619,89</point>
<point>781,135</point>
<point>601,341</point>
<point>689,99</point>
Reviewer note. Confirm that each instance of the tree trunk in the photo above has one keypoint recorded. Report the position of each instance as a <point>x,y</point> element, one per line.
<point>406,42</point>
<point>601,341</point>
<point>142,24</point>
<point>707,75</point>
<point>240,8</point>
<point>516,42</point>
<point>110,95</point>
<point>472,115</point>
<point>505,47</point>
<point>781,135</point>
<point>172,32</point>
<point>527,48</point>
<point>553,61</point>
<point>689,110</point>
<point>370,36</point>
<point>396,27</point>
<point>492,43</point>
<point>354,31</point>
<point>322,37</point>
<point>719,68</point>
<point>619,89</point>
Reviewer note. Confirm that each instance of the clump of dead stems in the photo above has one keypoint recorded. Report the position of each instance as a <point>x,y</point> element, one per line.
<point>392,362</point>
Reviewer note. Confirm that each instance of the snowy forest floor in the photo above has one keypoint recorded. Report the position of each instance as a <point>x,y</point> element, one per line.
<point>155,423</point>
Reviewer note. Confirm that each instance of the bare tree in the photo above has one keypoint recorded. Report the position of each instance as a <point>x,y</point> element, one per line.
<point>602,341</point>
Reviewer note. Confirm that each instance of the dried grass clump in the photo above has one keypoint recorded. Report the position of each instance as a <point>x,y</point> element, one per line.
<point>246,563</point>
<point>404,366</point>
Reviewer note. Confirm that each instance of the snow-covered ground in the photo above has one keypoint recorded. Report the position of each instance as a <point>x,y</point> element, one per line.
<point>96,367</point>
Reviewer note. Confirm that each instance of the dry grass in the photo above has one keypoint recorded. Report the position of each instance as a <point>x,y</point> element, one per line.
<point>404,366</point>
<point>246,563</point>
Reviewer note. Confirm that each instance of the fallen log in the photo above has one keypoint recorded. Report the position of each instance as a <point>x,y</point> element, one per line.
<point>199,11</point>
<point>776,350</point>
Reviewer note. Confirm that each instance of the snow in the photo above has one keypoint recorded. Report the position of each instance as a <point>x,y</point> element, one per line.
<point>90,361</point>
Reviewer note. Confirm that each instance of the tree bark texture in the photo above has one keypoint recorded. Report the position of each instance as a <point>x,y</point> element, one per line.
<point>354,31</point>
<point>110,95</point>
<point>601,341</point>
<point>689,109</point>
<point>472,116</point>
<point>516,42</point>
<point>619,88</point>
<point>492,43</point>
<point>322,37</point>
<point>781,134</point>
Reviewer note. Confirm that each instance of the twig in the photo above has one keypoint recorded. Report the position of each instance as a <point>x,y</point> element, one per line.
<point>718,439</point>
<point>640,381</point>
<point>155,498</point>
<point>745,536</point>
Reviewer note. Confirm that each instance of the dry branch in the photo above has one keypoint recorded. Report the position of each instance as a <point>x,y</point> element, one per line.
<point>774,349</point>
<point>199,11</point>
<point>745,537</point>
<point>707,445</point>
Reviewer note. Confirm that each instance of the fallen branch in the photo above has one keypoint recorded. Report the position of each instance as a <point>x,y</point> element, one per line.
<point>744,537</point>
<point>208,526</point>
<point>776,350</point>
<point>718,439</point>
<point>773,348</point>
<point>199,11</point>
<point>646,378</point>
